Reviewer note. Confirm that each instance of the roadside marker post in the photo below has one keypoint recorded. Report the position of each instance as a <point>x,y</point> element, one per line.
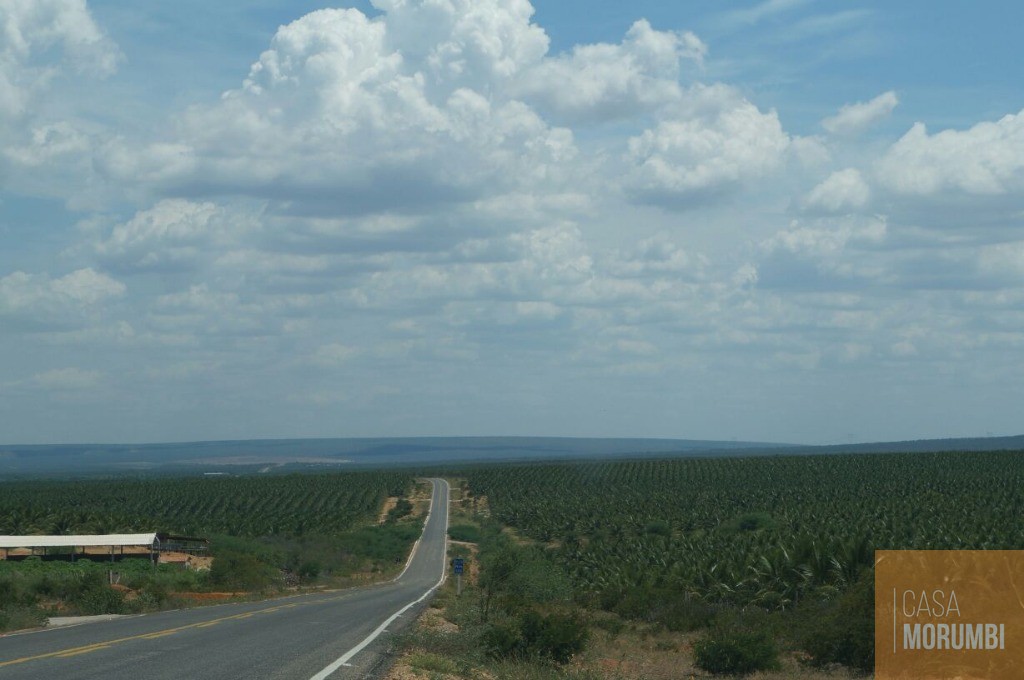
<point>458,564</point>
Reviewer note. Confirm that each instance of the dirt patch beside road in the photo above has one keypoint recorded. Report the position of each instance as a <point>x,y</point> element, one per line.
<point>389,505</point>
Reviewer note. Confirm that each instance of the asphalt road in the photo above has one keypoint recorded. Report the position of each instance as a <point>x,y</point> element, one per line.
<point>304,637</point>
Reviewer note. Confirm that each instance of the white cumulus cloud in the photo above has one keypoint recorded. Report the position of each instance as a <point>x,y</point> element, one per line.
<point>21,291</point>
<point>606,81</point>
<point>174,234</point>
<point>986,159</point>
<point>30,302</point>
<point>710,143</point>
<point>842,190</point>
<point>347,114</point>
<point>31,30</point>
<point>853,118</point>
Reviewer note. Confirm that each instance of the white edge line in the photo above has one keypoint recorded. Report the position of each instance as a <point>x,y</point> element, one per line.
<point>412,554</point>
<point>416,545</point>
<point>344,659</point>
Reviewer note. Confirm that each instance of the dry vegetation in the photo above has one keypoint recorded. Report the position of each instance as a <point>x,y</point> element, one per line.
<point>617,649</point>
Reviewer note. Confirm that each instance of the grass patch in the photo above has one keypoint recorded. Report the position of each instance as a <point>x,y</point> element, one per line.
<point>16,617</point>
<point>427,661</point>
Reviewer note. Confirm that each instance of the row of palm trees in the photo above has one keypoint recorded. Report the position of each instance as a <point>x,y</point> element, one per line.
<point>767,531</point>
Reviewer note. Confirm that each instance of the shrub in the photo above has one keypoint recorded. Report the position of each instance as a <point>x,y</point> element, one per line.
<point>501,640</point>
<point>846,633</point>
<point>674,610</point>
<point>464,532</point>
<point>239,571</point>
<point>99,599</point>
<point>388,543</point>
<point>48,586</point>
<point>736,652</point>
<point>15,617</point>
<point>11,593</point>
<point>682,615</point>
<point>402,508</point>
<point>613,625</point>
<point>555,636</point>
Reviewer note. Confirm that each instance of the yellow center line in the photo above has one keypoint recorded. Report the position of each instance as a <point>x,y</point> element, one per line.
<point>84,650</point>
<point>74,651</point>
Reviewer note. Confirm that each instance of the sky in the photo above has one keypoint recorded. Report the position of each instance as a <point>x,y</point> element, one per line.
<point>789,220</point>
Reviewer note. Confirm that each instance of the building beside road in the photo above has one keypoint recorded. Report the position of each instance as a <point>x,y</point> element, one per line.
<point>101,546</point>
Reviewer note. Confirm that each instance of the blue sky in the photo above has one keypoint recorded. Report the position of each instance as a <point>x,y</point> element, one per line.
<point>788,220</point>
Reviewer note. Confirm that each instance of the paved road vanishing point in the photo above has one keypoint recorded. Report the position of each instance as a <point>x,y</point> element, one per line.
<point>308,637</point>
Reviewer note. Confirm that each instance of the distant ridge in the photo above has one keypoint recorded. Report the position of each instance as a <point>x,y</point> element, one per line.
<point>1010,443</point>
<point>292,455</point>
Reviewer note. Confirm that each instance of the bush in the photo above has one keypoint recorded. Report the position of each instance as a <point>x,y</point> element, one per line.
<point>613,625</point>
<point>682,615</point>
<point>674,610</point>
<point>239,571</point>
<point>99,599</point>
<point>735,652</point>
<point>13,592</point>
<point>556,637</point>
<point>846,633</point>
<point>389,543</point>
<point>15,617</point>
<point>464,532</point>
<point>501,640</point>
<point>402,508</point>
<point>309,570</point>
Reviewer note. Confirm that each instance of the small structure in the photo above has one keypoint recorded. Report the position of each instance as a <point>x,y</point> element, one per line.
<point>191,545</point>
<point>101,545</point>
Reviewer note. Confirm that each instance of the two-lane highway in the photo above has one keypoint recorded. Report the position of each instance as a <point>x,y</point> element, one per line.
<point>335,634</point>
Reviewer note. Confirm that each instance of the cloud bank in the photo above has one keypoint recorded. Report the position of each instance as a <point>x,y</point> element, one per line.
<point>425,220</point>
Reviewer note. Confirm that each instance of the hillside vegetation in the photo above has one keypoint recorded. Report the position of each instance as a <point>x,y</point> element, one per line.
<point>758,557</point>
<point>267,533</point>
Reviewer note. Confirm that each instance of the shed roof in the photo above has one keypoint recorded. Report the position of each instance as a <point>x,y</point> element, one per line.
<point>76,540</point>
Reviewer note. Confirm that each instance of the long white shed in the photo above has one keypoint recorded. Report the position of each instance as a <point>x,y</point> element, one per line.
<point>150,541</point>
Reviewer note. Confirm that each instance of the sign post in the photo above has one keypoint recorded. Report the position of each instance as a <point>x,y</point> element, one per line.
<point>458,564</point>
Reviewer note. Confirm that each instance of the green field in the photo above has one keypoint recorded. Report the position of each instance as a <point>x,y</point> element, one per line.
<point>758,530</point>
<point>251,506</point>
<point>266,533</point>
<point>766,551</point>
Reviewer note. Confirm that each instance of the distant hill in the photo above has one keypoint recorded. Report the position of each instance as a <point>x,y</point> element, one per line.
<point>284,455</point>
<point>1013,443</point>
<point>274,454</point>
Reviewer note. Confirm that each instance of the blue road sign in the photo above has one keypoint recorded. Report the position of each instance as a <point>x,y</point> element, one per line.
<point>457,565</point>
